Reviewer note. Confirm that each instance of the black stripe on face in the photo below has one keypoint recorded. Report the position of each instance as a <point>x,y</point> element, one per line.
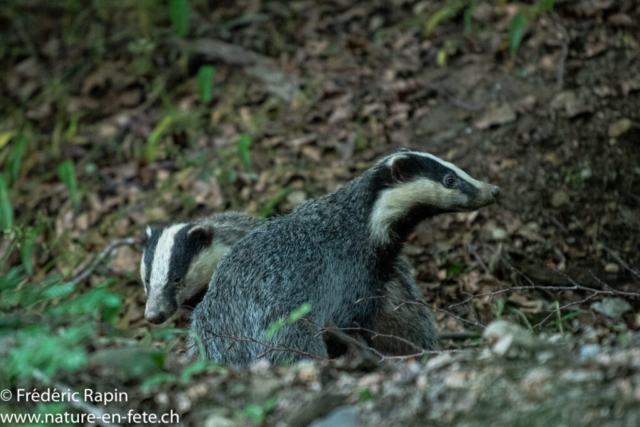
<point>186,246</point>
<point>411,167</point>
<point>150,244</point>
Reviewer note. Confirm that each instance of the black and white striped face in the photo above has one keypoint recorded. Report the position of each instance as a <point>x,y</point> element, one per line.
<point>419,185</point>
<point>176,260</point>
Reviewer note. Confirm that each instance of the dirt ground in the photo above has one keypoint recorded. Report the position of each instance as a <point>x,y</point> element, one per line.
<point>322,90</point>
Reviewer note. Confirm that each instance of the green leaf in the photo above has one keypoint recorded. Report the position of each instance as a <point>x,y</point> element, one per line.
<point>275,327</point>
<point>256,412</point>
<point>546,5</point>
<point>518,23</point>
<point>365,395</point>
<point>59,291</point>
<point>179,12</point>
<point>299,312</point>
<point>244,151</point>
<point>6,210</point>
<point>155,381</point>
<point>155,137</point>
<point>273,203</point>
<point>455,270</point>
<point>67,174</point>
<point>205,83</point>
<point>14,159</point>
<point>468,14</point>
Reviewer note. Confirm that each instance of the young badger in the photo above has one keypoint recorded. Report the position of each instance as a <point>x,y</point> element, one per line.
<point>328,252</point>
<point>178,260</point>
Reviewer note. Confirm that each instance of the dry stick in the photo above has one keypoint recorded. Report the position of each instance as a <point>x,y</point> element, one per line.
<point>403,302</point>
<point>420,351</point>
<point>80,405</point>
<point>621,261</point>
<point>267,346</point>
<point>115,243</point>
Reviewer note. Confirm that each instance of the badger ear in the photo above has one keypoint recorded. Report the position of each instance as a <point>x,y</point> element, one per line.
<point>200,236</point>
<point>146,235</point>
<point>402,169</point>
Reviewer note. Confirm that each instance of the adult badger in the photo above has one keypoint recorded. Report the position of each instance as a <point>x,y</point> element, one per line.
<point>328,252</point>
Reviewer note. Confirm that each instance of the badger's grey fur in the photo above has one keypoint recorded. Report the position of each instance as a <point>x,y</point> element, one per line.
<point>328,252</point>
<point>178,260</point>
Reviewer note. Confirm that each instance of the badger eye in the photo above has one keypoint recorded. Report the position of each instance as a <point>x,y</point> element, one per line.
<point>449,181</point>
<point>177,280</point>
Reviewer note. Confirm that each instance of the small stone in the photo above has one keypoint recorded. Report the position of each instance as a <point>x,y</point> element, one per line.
<point>219,421</point>
<point>620,127</point>
<point>344,416</point>
<point>496,115</point>
<point>589,351</point>
<point>499,234</point>
<point>611,307</point>
<point>559,198</point>
<point>297,197</point>
<point>612,268</point>
<point>586,174</point>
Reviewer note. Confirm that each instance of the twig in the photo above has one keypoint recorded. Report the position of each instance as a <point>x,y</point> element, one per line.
<point>115,244</point>
<point>621,261</point>
<point>80,405</point>
<point>441,310</point>
<point>565,52</point>
<point>420,351</point>
<point>267,346</point>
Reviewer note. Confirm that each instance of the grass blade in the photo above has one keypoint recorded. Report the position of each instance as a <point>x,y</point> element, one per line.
<point>6,210</point>
<point>179,12</point>
<point>244,151</point>
<point>518,23</point>
<point>205,83</point>
<point>67,173</point>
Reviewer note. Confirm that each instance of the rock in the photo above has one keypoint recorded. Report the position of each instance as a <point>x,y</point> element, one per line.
<point>496,115</point>
<point>509,339</point>
<point>344,416</point>
<point>589,351</point>
<point>611,307</point>
<point>571,104</point>
<point>499,233</point>
<point>559,198</point>
<point>297,197</point>
<point>219,421</point>
<point>586,174</point>
<point>612,268</point>
<point>620,127</point>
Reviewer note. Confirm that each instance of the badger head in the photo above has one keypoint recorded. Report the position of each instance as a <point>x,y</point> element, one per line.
<point>417,185</point>
<point>176,266</point>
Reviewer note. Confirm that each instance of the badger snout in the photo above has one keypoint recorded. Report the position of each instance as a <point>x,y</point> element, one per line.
<point>155,317</point>
<point>495,192</point>
<point>158,312</point>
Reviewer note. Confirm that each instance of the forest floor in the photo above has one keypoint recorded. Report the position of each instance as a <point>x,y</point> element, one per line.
<point>307,95</point>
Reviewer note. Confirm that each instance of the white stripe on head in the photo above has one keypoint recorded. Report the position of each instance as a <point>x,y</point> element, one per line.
<point>462,174</point>
<point>162,257</point>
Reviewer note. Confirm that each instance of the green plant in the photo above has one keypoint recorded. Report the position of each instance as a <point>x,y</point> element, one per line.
<point>257,412</point>
<point>206,73</point>
<point>67,173</point>
<point>516,31</point>
<point>179,13</point>
<point>6,209</point>
<point>266,211</point>
<point>244,151</point>
<point>292,318</point>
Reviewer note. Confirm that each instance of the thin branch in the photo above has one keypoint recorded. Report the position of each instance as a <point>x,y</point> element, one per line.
<point>115,244</point>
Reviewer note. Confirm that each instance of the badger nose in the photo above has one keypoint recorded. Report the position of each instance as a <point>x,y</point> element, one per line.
<point>155,317</point>
<point>495,191</point>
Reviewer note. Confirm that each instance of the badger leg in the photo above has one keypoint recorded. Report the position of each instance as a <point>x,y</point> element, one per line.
<point>412,322</point>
